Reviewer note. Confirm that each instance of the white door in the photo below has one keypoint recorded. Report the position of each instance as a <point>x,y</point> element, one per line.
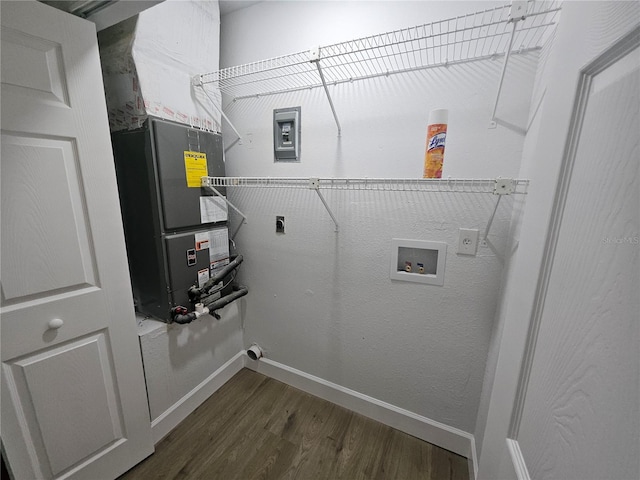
<point>73,394</point>
<point>579,416</point>
<point>575,408</point>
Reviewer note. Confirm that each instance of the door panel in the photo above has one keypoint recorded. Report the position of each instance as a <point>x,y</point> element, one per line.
<point>38,68</point>
<point>73,394</point>
<point>76,374</point>
<point>27,323</point>
<point>47,247</point>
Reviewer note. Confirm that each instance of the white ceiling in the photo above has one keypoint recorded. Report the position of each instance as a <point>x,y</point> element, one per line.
<point>89,8</point>
<point>103,13</point>
<point>228,6</point>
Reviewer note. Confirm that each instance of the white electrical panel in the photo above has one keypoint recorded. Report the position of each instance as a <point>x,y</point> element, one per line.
<point>286,134</point>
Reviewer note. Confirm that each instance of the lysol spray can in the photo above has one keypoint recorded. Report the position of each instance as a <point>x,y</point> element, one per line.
<point>436,136</point>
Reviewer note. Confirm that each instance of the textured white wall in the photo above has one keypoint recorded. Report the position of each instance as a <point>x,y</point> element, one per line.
<point>513,239</point>
<point>322,302</point>
<point>177,358</point>
<point>285,27</point>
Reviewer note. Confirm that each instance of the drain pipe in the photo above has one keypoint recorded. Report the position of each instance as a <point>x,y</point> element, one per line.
<point>255,352</point>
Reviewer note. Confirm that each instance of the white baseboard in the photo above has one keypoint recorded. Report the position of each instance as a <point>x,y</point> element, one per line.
<point>519,465</point>
<point>434,432</point>
<point>473,459</point>
<point>171,417</point>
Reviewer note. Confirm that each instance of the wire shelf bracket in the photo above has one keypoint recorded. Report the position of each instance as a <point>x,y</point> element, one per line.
<point>314,184</point>
<point>496,186</point>
<point>196,81</point>
<point>217,192</point>
<point>517,13</point>
<point>314,57</point>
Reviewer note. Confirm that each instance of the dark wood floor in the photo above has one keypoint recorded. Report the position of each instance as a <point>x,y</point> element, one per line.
<point>255,427</point>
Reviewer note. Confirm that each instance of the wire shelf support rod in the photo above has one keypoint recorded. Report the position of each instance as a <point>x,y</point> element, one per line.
<point>314,57</point>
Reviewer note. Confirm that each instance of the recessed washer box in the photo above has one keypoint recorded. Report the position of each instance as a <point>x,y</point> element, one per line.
<point>418,261</point>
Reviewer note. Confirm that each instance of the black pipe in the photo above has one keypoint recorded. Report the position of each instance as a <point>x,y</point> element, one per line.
<point>179,316</point>
<point>238,291</point>
<point>195,293</point>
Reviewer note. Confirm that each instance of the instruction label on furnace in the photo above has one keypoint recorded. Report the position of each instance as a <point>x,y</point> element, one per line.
<point>195,166</point>
<point>203,277</point>
<point>218,244</point>
<point>218,248</point>
<point>213,209</point>
<point>202,241</point>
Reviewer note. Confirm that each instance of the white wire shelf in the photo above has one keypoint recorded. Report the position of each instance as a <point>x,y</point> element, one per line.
<point>496,186</point>
<point>442,185</point>
<point>471,37</point>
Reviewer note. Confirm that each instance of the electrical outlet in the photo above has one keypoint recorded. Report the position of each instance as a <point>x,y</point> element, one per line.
<point>468,241</point>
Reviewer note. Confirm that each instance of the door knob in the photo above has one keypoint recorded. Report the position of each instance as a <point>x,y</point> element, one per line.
<point>55,323</point>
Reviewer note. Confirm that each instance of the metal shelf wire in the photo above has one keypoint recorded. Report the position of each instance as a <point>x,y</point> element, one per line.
<point>476,36</point>
<point>496,186</point>
<point>442,185</point>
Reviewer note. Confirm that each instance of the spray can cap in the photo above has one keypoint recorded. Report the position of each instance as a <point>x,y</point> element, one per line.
<point>439,115</point>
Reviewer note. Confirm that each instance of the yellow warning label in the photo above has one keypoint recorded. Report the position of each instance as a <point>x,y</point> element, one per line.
<point>195,166</point>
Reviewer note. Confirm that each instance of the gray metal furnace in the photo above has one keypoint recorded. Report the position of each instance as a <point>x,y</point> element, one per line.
<point>175,230</point>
